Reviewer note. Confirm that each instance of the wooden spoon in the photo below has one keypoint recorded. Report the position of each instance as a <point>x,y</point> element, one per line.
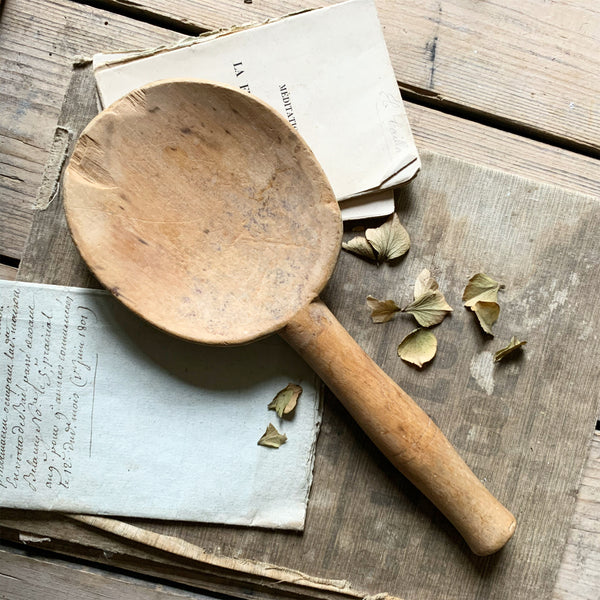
<point>206,213</point>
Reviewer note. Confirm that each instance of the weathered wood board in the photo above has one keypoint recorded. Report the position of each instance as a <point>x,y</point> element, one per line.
<point>7,272</point>
<point>579,575</point>
<point>24,578</point>
<point>523,426</point>
<point>527,62</point>
<point>38,43</point>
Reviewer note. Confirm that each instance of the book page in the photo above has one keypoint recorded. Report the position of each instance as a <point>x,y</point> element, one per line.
<point>104,414</point>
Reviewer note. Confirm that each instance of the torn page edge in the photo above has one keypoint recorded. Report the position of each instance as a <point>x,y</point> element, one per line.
<point>50,185</point>
<point>180,547</point>
<point>310,463</point>
<point>26,538</point>
<point>130,55</point>
<point>413,167</point>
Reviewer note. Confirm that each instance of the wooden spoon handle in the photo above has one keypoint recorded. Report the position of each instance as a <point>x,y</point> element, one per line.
<point>401,430</point>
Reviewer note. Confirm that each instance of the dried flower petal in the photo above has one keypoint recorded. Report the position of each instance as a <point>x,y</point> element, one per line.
<point>418,347</point>
<point>286,399</point>
<point>272,438</point>
<point>382,310</point>
<point>487,314</point>
<point>425,283</point>
<point>481,288</point>
<point>430,309</point>
<point>511,347</point>
<point>361,247</point>
<point>390,240</point>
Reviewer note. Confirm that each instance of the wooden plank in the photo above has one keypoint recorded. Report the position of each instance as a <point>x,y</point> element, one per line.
<point>38,41</point>
<point>480,144</point>
<point>35,578</point>
<point>405,546</point>
<point>579,575</point>
<point>528,62</point>
<point>7,272</point>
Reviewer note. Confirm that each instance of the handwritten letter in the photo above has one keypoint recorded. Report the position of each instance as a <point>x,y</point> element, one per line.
<point>102,413</point>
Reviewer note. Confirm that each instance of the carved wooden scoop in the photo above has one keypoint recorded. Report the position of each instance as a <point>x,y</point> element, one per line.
<point>202,209</point>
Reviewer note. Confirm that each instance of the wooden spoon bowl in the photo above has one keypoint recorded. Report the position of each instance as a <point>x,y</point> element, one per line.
<point>203,211</point>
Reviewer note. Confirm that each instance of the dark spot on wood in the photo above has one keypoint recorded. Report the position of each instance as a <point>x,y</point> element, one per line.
<point>185,130</point>
<point>228,132</point>
<point>154,109</point>
<point>115,291</point>
<point>141,241</point>
<point>207,231</point>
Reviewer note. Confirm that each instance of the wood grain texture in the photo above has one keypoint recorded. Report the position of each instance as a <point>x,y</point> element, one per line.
<point>25,577</point>
<point>7,272</point>
<point>528,62</point>
<point>51,256</point>
<point>38,42</point>
<point>480,144</point>
<point>237,253</point>
<point>355,488</point>
<point>304,583</point>
<point>579,575</point>
<point>437,131</point>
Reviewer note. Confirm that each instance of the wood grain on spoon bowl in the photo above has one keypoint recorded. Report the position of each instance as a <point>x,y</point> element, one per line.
<point>205,212</point>
<point>202,211</point>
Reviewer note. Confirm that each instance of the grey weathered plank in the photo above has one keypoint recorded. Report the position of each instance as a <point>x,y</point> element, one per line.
<point>528,62</point>
<point>463,219</point>
<point>50,255</point>
<point>38,42</point>
<point>35,578</point>
<point>579,575</point>
<point>484,145</point>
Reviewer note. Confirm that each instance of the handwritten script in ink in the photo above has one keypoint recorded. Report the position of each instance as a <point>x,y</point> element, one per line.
<point>47,368</point>
<point>102,413</point>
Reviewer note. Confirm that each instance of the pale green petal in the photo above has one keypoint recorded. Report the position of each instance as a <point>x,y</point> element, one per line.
<point>381,310</point>
<point>286,399</point>
<point>508,349</point>
<point>481,288</point>
<point>418,347</point>
<point>487,314</point>
<point>390,240</point>
<point>272,438</point>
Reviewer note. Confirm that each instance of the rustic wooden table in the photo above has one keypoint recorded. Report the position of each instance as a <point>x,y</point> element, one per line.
<point>511,85</point>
